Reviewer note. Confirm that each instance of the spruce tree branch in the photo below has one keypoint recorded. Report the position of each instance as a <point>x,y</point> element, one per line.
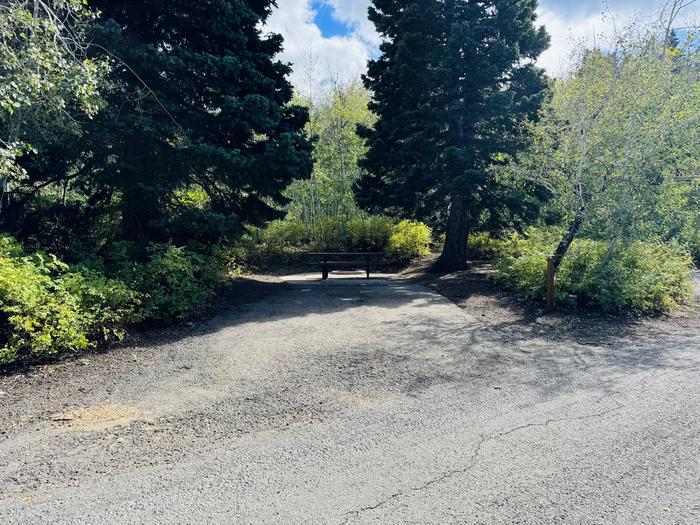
<point>142,82</point>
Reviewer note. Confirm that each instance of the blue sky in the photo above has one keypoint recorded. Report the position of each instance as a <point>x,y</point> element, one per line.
<point>326,19</point>
<point>333,39</point>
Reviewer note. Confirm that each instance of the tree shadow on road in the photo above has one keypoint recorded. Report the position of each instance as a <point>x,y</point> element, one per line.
<point>500,309</point>
<point>495,338</point>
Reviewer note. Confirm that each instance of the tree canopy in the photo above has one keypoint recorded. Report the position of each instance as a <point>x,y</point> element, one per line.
<point>334,118</point>
<point>619,144</point>
<point>46,77</point>
<point>197,136</point>
<point>454,82</point>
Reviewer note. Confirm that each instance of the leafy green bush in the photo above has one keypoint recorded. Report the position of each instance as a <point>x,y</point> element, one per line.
<point>537,240</point>
<point>47,308</point>
<point>284,242</point>
<point>370,234</point>
<point>330,235</point>
<point>284,233</point>
<point>525,273</point>
<point>110,304</point>
<point>640,277</point>
<point>176,282</point>
<point>409,240</point>
<point>694,247</point>
<point>645,278</point>
<point>482,246</point>
<point>279,243</point>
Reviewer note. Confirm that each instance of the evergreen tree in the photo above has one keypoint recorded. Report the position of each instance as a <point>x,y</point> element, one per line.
<point>214,115</point>
<point>197,136</point>
<point>454,82</point>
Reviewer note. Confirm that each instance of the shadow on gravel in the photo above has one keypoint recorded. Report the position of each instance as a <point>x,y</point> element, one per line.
<point>502,311</point>
<point>424,348</point>
<point>498,336</point>
<point>505,318</point>
<point>408,347</point>
<point>238,294</point>
<point>483,359</point>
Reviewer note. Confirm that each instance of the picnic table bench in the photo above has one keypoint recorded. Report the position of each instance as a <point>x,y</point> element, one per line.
<point>356,260</point>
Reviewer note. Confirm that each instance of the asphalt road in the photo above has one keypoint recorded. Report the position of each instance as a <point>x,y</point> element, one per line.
<point>349,404</point>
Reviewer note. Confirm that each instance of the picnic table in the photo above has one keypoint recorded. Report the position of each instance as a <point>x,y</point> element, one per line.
<point>366,261</point>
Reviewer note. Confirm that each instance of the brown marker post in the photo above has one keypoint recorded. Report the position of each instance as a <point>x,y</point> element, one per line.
<point>550,284</point>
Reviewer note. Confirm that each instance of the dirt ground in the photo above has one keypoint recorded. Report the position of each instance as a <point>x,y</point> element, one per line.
<point>474,290</point>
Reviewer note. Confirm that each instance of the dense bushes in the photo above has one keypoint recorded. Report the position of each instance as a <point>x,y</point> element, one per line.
<point>482,246</point>
<point>408,240</point>
<point>175,282</point>
<point>286,241</point>
<point>48,307</point>
<point>640,277</point>
<point>647,278</point>
<point>695,248</point>
<point>279,243</point>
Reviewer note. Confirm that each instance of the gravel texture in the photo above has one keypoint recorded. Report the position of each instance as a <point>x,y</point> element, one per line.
<point>361,404</point>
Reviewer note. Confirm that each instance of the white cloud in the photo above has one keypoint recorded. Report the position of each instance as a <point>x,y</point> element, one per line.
<point>318,60</point>
<point>570,36</point>
<point>354,13</point>
<point>573,27</point>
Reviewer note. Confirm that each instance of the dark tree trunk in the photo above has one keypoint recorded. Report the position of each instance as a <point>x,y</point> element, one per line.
<point>454,254</point>
<point>136,213</point>
<point>569,237</point>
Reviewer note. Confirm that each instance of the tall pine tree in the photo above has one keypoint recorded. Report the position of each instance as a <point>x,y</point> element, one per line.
<point>454,82</point>
<point>197,136</point>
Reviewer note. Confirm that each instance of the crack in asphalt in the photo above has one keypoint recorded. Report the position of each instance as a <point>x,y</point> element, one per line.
<point>477,452</point>
<point>645,387</point>
<point>473,459</point>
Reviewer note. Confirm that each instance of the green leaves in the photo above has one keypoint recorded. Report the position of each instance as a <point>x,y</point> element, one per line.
<point>48,307</point>
<point>45,78</point>
<point>333,124</point>
<point>176,282</point>
<point>647,278</point>
<point>620,140</point>
<point>286,241</point>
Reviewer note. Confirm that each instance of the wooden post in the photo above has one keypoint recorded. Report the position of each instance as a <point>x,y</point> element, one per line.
<point>550,284</point>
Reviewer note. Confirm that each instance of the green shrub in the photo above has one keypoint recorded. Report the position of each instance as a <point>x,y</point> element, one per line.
<point>176,282</point>
<point>280,243</point>
<point>482,246</point>
<point>640,277</point>
<point>330,234</point>
<point>371,234</point>
<point>521,260</point>
<point>285,242</point>
<point>47,308</point>
<point>283,234</point>
<point>409,240</point>
<point>645,278</point>
<point>694,247</point>
<point>525,273</point>
<point>538,240</point>
<point>110,304</point>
